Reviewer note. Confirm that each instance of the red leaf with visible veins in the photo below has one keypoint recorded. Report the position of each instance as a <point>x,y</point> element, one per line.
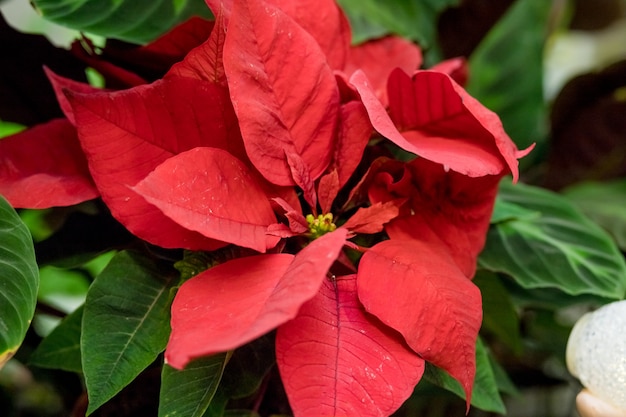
<point>211,192</point>
<point>355,130</point>
<point>377,58</point>
<point>240,300</point>
<point>326,22</point>
<point>127,134</point>
<point>59,84</point>
<point>376,111</point>
<point>444,124</point>
<point>44,166</point>
<point>421,292</point>
<point>205,61</point>
<point>371,219</point>
<point>337,360</point>
<point>445,208</point>
<point>284,93</point>
<point>322,19</point>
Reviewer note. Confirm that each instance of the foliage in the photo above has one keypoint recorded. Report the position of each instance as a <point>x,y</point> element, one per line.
<point>277,211</point>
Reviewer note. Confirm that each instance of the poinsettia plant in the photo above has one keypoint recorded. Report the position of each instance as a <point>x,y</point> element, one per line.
<point>329,200</point>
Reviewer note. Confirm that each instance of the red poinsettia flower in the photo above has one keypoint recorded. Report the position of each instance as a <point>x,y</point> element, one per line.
<point>251,139</point>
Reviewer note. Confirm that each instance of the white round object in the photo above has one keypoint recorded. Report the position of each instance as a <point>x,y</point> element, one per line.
<point>596,353</point>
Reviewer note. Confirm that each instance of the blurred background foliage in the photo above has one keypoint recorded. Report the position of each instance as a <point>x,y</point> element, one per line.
<point>555,72</point>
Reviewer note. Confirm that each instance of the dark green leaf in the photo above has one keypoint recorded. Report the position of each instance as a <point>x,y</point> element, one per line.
<point>505,385</point>
<point>414,19</point>
<point>61,348</point>
<point>507,71</point>
<point>19,279</point>
<point>190,391</point>
<point>241,413</point>
<point>129,20</point>
<point>244,373</point>
<point>485,394</point>
<point>560,249</point>
<point>499,315</point>
<point>248,366</point>
<point>125,323</point>
<point>605,204</point>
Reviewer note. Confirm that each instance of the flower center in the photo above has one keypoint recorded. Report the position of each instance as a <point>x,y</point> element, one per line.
<point>321,225</point>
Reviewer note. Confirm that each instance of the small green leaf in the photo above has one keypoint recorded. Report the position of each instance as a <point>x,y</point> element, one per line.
<point>414,19</point>
<point>560,249</point>
<point>61,348</point>
<point>125,323</point>
<point>19,279</point>
<point>8,128</point>
<point>129,20</point>
<point>605,204</point>
<point>189,392</point>
<point>507,72</point>
<point>485,394</point>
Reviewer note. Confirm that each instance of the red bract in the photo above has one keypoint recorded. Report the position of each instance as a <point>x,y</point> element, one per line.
<point>211,192</point>
<point>240,300</point>
<point>127,134</point>
<point>44,167</point>
<point>443,208</point>
<point>337,360</point>
<point>284,94</point>
<point>433,305</point>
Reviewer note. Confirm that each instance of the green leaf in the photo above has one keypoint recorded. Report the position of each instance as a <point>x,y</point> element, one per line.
<point>190,391</point>
<point>499,315</point>
<point>507,72</point>
<point>414,19</point>
<point>128,20</point>
<point>485,394</point>
<point>560,249</point>
<point>19,279</point>
<point>125,323</point>
<point>9,128</point>
<point>244,373</point>
<point>605,204</point>
<point>61,348</point>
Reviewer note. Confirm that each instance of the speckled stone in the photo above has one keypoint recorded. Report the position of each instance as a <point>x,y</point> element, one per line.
<point>596,353</point>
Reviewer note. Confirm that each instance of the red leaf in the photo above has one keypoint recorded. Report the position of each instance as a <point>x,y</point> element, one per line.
<point>205,61</point>
<point>371,219</point>
<point>211,192</point>
<point>456,68</point>
<point>377,58</point>
<point>445,208</point>
<point>284,93</point>
<point>337,360</point>
<point>420,292</point>
<point>240,300</point>
<point>327,189</point>
<point>326,22</point>
<point>60,84</point>
<point>355,130</point>
<point>322,19</point>
<point>377,112</point>
<point>127,134</point>
<point>444,124</point>
<point>297,222</point>
<point>44,166</point>
<point>181,39</point>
